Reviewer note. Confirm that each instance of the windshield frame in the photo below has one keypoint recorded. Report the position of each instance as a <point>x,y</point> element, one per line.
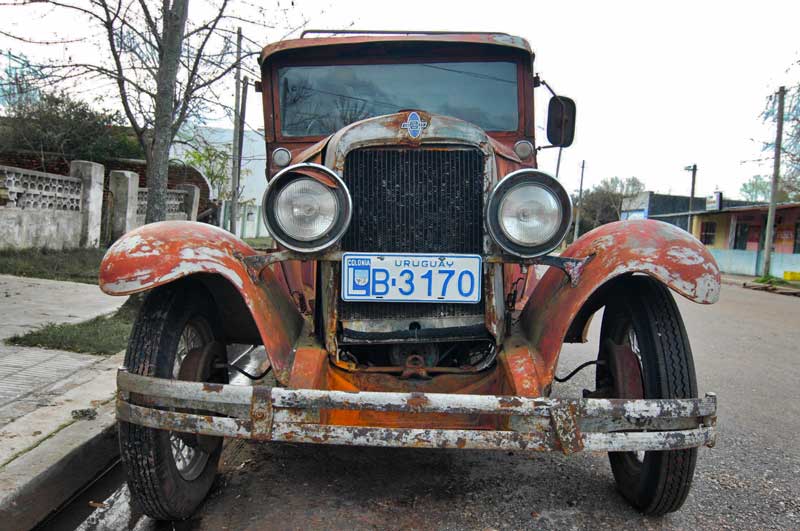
<point>402,59</point>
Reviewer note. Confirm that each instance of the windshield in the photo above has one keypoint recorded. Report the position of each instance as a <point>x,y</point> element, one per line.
<point>319,100</point>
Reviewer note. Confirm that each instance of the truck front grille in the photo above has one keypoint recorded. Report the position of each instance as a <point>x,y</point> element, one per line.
<point>414,201</point>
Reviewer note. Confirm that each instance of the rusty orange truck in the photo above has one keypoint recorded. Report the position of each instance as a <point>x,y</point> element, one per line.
<point>401,305</point>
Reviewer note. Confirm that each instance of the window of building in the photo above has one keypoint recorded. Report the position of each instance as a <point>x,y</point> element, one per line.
<point>796,238</point>
<point>708,231</point>
<point>740,240</point>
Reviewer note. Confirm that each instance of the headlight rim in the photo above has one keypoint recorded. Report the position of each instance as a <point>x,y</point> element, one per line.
<point>327,239</point>
<point>507,184</point>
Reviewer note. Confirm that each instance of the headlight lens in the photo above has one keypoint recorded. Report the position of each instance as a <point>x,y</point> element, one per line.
<point>529,214</point>
<point>306,209</point>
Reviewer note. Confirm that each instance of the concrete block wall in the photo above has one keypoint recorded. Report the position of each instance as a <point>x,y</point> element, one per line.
<point>124,186</point>
<point>47,210</point>
<point>91,174</point>
<point>50,210</point>
<point>182,204</point>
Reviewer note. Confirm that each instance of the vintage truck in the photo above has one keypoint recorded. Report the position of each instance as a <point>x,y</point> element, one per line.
<point>401,305</point>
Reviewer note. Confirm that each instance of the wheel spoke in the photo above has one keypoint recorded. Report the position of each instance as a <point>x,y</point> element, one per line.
<point>189,461</point>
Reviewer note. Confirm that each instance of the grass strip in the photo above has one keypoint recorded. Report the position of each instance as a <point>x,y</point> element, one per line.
<point>107,334</point>
<point>77,265</point>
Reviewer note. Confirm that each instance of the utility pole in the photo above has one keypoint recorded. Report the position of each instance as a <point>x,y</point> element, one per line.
<point>773,194</point>
<point>240,143</point>
<point>237,126</point>
<point>693,169</point>
<point>580,200</point>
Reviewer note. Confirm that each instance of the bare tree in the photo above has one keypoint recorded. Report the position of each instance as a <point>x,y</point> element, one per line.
<point>166,66</point>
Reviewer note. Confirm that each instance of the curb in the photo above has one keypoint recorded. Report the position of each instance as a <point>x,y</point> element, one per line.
<point>47,476</point>
<point>54,451</point>
<point>734,281</point>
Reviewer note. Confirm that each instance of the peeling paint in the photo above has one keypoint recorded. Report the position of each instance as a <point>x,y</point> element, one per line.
<point>264,414</point>
<point>160,253</point>
<point>654,248</point>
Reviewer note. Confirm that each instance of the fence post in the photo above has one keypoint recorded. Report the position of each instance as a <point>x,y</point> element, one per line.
<point>91,174</point>
<point>124,186</point>
<point>191,200</point>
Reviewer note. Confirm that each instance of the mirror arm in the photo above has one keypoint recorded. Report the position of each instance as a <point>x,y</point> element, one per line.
<point>539,81</point>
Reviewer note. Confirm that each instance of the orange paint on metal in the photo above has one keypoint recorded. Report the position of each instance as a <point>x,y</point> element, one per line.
<point>160,253</point>
<point>308,368</point>
<point>487,383</point>
<point>654,248</point>
<point>496,39</point>
<point>522,378</point>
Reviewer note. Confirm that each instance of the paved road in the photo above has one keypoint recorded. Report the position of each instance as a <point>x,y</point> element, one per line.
<point>746,349</point>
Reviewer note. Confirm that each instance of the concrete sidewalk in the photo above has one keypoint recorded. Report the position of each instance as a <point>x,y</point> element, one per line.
<point>28,303</point>
<point>56,408</point>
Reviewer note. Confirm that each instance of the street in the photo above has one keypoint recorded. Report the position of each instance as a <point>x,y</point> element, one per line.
<point>746,350</point>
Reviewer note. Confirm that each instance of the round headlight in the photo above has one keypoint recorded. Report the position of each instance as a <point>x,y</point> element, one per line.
<point>528,213</point>
<point>307,207</point>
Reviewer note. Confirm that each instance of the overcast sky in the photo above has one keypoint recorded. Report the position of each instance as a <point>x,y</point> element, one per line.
<point>658,86</point>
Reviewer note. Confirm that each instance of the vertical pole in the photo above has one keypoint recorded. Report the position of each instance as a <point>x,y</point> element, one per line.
<point>237,125</point>
<point>580,200</point>
<point>242,109</point>
<point>691,200</point>
<point>773,194</point>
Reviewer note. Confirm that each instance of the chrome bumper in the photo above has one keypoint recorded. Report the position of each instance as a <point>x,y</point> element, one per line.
<point>536,424</point>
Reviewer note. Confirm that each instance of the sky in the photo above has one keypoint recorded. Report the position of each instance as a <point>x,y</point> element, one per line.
<point>658,85</point>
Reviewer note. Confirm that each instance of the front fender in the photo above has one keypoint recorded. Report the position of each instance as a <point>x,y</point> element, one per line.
<point>660,250</point>
<point>159,253</point>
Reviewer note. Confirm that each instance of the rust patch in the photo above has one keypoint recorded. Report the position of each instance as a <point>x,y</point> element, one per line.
<point>212,388</point>
<point>657,249</point>
<point>509,401</point>
<point>417,401</point>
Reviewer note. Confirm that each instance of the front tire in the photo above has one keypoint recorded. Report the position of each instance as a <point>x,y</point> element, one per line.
<point>170,474</point>
<point>642,323</point>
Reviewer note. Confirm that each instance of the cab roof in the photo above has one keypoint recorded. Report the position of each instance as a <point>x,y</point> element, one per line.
<point>339,37</point>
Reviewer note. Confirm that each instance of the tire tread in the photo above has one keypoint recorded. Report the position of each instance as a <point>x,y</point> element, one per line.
<point>666,490</point>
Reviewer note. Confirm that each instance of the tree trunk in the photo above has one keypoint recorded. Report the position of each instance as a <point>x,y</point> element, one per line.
<point>174,17</point>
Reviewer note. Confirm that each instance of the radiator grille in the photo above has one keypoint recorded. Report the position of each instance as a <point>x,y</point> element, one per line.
<point>415,201</point>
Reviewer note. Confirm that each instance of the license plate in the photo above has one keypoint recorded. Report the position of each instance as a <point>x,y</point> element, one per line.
<point>395,277</point>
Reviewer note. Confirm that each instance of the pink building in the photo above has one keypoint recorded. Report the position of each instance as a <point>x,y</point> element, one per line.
<point>735,236</point>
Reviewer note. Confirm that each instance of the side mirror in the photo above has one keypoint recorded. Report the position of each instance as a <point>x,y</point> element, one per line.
<point>561,121</point>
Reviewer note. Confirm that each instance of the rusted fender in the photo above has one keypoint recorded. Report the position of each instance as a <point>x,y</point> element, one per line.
<point>160,253</point>
<point>658,249</point>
